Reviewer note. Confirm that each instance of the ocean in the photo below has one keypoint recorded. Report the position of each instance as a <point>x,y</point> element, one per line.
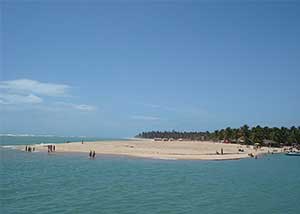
<point>72,183</point>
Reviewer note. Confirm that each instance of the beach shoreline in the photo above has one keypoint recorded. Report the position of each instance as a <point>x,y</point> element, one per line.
<point>170,150</point>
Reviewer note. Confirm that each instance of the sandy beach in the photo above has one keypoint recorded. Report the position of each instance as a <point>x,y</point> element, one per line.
<point>173,150</point>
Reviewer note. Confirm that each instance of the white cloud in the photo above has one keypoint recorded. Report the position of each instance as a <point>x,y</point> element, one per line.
<point>19,99</point>
<point>84,107</point>
<point>26,91</point>
<point>27,86</point>
<point>81,107</point>
<point>141,117</point>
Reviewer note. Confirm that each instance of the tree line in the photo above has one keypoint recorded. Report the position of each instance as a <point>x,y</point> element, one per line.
<point>244,134</point>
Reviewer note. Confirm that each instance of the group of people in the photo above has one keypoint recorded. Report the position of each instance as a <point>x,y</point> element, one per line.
<point>51,148</point>
<point>218,153</point>
<point>92,154</point>
<point>29,149</point>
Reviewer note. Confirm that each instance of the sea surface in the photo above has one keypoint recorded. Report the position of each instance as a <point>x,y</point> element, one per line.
<point>72,183</point>
<point>8,141</point>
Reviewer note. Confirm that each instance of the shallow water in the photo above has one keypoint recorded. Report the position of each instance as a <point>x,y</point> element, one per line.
<point>72,183</point>
<point>7,141</point>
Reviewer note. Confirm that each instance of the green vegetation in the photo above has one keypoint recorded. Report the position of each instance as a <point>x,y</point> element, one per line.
<point>245,134</point>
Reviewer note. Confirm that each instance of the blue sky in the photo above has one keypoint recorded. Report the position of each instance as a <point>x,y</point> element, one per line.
<point>113,69</point>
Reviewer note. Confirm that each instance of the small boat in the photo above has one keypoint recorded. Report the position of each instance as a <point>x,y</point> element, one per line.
<point>293,153</point>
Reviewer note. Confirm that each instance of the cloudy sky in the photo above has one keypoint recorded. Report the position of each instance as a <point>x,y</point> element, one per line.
<point>115,69</point>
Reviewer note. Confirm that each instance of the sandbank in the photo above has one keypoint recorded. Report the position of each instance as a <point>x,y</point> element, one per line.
<point>173,150</point>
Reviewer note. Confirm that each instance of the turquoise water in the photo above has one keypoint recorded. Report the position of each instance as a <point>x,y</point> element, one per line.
<point>21,140</point>
<point>71,183</point>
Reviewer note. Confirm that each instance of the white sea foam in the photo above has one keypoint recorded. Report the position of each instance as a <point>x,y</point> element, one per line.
<point>40,135</point>
<point>9,147</point>
<point>44,144</point>
<point>25,135</point>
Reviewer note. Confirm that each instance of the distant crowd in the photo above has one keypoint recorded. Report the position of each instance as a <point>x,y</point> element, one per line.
<point>92,154</point>
<point>29,149</point>
<point>51,148</point>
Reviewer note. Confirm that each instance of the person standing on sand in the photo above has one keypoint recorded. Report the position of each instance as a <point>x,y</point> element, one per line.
<point>90,154</point>
<point>53,147</point>
<point>26,148</point>
<point>222,151</point>
<point>94,154</point>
